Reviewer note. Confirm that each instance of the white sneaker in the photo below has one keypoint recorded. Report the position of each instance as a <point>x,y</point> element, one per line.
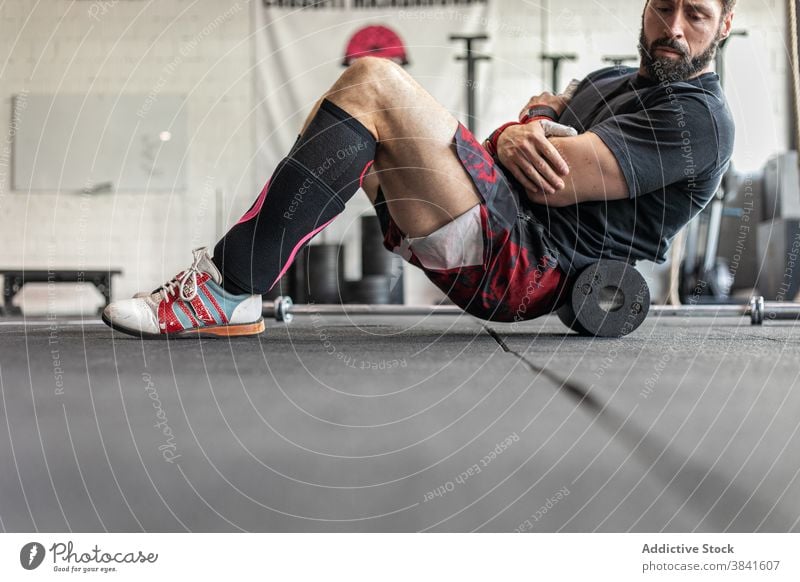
<point>190,305</point>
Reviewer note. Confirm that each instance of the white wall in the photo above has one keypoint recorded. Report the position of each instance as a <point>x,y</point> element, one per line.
<point>58,46</point>
<point>757,82</point>
<point>113,47</point>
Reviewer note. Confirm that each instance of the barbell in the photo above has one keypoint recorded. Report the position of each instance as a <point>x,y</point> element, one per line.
<point>758,310</point>
<point>608,298</point>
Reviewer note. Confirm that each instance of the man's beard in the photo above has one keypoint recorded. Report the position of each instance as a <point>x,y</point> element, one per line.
<point>671,69</point>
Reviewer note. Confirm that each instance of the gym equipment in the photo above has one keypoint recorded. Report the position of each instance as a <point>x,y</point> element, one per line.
<point>555,62</point>
<point>707,266</point>
<point>778,245</point>
<point>794,67</point>
<point>619,60</point>
<point>284,309</point>
<point>758,310</point>
<point>782,187</point>
<point>296,278</point>
<point>471,57</point>
<point>371,290</point>
<point>375,259</point>
<point>325,267</point>
<point>608,299</point>
<point>15,279</point>
<point>737,238</point>
<point>381,271</point>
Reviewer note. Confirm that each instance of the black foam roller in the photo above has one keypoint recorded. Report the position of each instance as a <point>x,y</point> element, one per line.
<point>609,299</point>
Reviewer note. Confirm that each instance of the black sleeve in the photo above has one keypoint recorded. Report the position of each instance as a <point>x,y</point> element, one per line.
<point>668,142</point>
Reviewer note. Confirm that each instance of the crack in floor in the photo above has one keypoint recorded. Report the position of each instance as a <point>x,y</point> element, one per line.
<point>577,390</point>
<point>681,475</point>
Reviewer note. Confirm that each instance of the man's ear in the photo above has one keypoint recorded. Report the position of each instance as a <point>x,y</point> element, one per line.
<point>727,25</point>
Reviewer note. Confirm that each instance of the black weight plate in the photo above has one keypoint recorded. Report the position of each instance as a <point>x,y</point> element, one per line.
<point>372,290</point>
<point>325,271</point>
<point>375,259</point>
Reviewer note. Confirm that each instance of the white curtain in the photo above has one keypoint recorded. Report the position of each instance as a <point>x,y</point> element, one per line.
<point>299,53</point>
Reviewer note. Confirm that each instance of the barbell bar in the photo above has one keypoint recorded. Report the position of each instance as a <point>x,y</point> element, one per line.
<point>284,309</point>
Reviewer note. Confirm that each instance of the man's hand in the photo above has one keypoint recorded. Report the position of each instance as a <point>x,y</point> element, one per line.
<point>525,151</point>
<point>595,174</point>
<point>556,102</point>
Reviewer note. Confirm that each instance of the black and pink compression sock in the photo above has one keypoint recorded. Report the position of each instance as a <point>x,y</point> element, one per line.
<point>308,189</point>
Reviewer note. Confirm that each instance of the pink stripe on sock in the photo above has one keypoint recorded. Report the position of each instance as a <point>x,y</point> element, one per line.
<point>297,248</point>
<point>364,173</point>
<point>253,212</point>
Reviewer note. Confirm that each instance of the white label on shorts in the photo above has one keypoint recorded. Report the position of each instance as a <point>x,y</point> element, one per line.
<point>458,243</point>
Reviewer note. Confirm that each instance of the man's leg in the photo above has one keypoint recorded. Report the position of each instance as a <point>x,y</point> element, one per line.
<point>422,178</point>
<point>424,183</point>
<point>486,259</point>
<point>308,189</point>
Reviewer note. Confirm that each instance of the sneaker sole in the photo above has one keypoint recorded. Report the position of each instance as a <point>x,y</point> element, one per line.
<point>216,331</point>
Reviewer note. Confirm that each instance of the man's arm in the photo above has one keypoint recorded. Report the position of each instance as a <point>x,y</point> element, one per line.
<point>561,171</point>
<point>594,173</point>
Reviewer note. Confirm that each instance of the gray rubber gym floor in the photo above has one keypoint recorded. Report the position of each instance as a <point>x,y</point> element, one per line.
<point>401,424</point>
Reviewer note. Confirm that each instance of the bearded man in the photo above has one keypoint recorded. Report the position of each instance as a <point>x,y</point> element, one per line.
<point>614,171</point>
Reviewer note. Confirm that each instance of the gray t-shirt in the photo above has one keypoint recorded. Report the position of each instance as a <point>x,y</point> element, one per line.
<point>673,142</point>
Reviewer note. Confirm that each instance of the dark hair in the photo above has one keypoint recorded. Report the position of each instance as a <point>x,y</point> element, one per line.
<point>728,6</point>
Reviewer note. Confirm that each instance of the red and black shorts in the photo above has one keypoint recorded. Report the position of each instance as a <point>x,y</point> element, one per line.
<point>492,261</point>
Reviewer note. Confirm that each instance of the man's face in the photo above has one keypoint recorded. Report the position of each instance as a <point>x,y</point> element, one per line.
<point>679,37</point>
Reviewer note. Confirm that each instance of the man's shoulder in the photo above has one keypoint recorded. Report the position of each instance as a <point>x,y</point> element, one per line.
<point>612,71</point>
<point>703,97</point>
<point>609,74</point>
<point>704,91</point>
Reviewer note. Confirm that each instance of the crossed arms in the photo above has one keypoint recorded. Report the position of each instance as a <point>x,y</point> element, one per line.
<point>560,171</point>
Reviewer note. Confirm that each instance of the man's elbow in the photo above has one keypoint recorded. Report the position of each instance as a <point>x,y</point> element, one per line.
<point>557,200</point>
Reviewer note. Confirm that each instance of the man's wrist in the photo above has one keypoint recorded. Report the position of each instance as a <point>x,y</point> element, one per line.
<point>535,113</point>
<point>491,142</point>
<point>540,111</point>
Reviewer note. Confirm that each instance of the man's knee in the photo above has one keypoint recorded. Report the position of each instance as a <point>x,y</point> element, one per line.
<point>376,68</point>
<point>374,77</point>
